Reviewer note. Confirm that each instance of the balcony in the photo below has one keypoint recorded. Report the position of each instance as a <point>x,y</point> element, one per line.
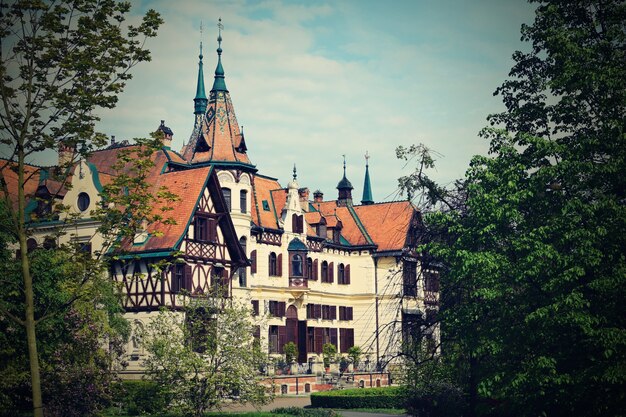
<point>298,286</point>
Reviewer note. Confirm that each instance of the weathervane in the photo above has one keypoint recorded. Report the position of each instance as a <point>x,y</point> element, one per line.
<point>201,39</point>
<point>294,172</point>
<point>220,27</point>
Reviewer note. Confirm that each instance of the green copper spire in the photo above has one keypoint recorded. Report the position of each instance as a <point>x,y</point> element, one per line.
<point>200,101</point>
<point>219,84</point>
<point>367,187</point>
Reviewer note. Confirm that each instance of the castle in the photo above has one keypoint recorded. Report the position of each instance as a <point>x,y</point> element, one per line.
<point>312,270</point>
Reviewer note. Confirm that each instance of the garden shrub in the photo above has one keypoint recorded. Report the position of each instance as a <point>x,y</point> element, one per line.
<point>142,397</point>
<point>435,399</point>
<point>388,397</point>
<point>303,412</point>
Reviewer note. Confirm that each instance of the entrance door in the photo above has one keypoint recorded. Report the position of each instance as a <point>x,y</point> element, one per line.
<point>291,325</point>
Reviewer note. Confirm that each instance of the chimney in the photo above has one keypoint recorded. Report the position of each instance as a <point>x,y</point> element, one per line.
<point>66,155</point>
<point>167,134</point>
<point>318,196</point>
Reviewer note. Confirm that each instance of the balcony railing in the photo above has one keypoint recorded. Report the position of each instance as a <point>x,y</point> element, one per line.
<point>298,283</point>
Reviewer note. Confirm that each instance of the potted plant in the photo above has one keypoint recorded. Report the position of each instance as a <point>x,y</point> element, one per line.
<point>354,353</point>
<point>291,352</point>
<point>329,351</point>
<point>280,366</point>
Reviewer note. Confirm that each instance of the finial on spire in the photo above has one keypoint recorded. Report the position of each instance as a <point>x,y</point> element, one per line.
<point>367,186</point>
<point>294,172</point>
<point>344,165</point>
<point>219,84</point>
<point>200,101</point>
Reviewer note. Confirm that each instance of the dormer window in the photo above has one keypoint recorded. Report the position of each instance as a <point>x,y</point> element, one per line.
<point>321,230</point>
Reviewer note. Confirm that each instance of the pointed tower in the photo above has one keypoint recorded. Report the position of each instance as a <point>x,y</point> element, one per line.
<point>367,187</point>
<point>217,138</point>
<point>345,188</point>
<point>200,101</point>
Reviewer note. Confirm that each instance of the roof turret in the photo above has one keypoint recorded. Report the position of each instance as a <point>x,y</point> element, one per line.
<point>345,188</point>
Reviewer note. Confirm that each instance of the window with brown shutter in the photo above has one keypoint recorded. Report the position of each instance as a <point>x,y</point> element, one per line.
<point>314,276</point>
<point>333,312</point>
<point>282,306</point>
<point>331,272</point>
<point>279,265</point>
<point>341,274</point>
<point>253,262</point>
<point>310,339</point>
<point>188,278</point>
<point>319,339</point>
<point>318,311</point>
<point>272,264</point>
<point>346,339</point>
<point>297,224</point>
<point>324,271</point>
<point>347,275</point>
<point>273,339</point>
<point>282,338</point>
<point>333,337</point>
<point>255,307</point>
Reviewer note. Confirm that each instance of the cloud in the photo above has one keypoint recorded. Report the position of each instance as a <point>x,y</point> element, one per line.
<point>311,82</point>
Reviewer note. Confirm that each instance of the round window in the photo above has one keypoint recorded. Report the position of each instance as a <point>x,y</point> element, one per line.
<point>83,201</point>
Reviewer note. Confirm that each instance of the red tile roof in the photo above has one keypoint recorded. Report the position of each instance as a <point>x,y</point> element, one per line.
<point>262,192</point>
<point>188,185</point>
<point>31,176</point>
<point>387,223</point>
<point>220,131</point>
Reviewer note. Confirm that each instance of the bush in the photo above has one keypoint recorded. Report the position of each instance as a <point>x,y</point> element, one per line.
<point>142,397</point>
<point>391,397</point>
<point>302,412</point>
<point>435,399</point>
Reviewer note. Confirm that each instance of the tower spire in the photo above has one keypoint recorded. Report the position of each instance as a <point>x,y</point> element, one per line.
<point>219,84</point>
<point>200,101</point>
<point>367,186</point>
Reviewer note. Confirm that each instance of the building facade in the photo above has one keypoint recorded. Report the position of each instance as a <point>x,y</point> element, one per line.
<point>312,270</point>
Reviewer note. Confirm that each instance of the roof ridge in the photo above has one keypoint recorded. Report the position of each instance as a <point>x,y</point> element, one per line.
<point>359,224</point>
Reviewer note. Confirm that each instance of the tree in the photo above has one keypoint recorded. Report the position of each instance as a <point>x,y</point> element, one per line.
<point>205,355</point>
<point>532,240</point>
<point>59,62</point>
<point>78,344</point>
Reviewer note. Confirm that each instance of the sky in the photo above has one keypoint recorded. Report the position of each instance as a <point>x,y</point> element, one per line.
<point>313,81</point>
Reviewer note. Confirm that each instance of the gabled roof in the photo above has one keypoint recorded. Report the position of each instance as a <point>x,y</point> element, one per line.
<point>188,185</point>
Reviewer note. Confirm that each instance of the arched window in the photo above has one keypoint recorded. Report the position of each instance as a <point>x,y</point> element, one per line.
<point>31,245</point>
<point>309,268</point>
<point>324,271</point>
<point>272,265</point>
<point>226,192</point>
<point>243,269</point>
<point>243,201</point>
<point>296,265</point>
<point>341,274</point>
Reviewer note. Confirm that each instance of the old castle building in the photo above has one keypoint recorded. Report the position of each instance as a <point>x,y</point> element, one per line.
<point>312,270</point>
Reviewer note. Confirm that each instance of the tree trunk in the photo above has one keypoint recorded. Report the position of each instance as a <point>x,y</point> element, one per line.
<point>29,301</point>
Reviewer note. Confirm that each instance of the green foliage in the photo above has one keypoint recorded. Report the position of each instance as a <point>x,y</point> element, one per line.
<point>139,397</point>
<point>354,353</point>
<point>60,62</point>
<point>435,399</point>
<point>329,351</point>
<point>389,397</point>
<point>533,238</point>
<point>303,412</point>
<point>291,352</point>
<point>204,356</point>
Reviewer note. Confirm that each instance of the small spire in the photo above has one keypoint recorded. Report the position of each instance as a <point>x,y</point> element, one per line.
<point>219,84</point>
<point>367,186</point>
<point>200,101</point>
<point>294,172</point>
<point>345,188</point>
